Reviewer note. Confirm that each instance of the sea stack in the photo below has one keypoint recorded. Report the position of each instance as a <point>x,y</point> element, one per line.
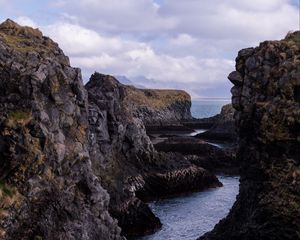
<point>266,97</point>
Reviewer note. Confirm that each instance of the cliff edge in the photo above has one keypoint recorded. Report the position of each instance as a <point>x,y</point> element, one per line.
<point>48,189</point>
<point>266,96</point>
<point>159,107</point>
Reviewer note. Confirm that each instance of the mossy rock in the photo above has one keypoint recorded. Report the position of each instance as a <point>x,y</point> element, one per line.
<point>18,118</point>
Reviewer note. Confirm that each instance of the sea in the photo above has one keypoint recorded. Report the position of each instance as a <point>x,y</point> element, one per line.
<point>188,217</point>
<point>203,108</point>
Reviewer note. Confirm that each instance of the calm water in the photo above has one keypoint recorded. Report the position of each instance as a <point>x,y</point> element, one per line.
<point>189,217</point>
<point>207,108</point>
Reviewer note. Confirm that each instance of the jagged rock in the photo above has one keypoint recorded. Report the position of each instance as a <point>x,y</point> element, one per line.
<point>48,188</point>
<point>125,159</point>
<point>62,144</point>
<point>268,113</point>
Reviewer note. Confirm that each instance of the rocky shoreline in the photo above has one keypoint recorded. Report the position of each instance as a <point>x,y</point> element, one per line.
<point>77,161</point>
<point>79,156</point>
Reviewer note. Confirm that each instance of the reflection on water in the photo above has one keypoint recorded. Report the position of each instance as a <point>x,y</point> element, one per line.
<point>188,217</point>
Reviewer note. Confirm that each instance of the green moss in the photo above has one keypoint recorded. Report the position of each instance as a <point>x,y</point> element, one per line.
<point>19,115</point>
<point>17,118</point>
<point>7,191</point>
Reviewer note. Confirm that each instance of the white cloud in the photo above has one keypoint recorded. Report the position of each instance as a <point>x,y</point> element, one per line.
<point>183,40</point>
<point>117,16</point>
<point>221,19</point>
<point>190,44</point>
<point>92,52</point>
<point>25,21</point>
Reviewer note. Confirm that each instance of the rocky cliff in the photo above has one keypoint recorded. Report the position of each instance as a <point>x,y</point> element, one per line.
<point>62,144</point>
<point>159,107</point>
<point>266,95</point>
<point>48,189</point>
<point>124,159</point>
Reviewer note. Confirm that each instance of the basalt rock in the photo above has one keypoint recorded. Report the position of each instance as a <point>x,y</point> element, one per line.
<point>124,159</point>
<point>266,97</point>
<point>48,189</point>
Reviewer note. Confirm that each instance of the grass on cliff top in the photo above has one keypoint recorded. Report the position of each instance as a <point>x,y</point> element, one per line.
<point>293,36</point>
<point>23,44</point>
<point>155,98</point>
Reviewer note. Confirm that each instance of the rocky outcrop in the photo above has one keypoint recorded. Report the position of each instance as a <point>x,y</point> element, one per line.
<point>223,128</point>
<point>124,159</point>
<point>62,144</point>
<point>203,154</point>
<point>119,148</point>
<point>159,107</point>
<point>48,189</point>
<point>266,97</point>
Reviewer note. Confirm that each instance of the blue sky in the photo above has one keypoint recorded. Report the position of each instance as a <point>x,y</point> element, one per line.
<point>187,44</point>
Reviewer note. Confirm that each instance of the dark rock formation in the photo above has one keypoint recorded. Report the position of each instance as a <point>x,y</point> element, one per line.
<point>62,144</point>
<point>223,128</point>
<point>124,158</point>
<point>48,189</point>
<point>203,154</point>
<point>204,123</point>
<point>119,148</point>
<point>159,107</point>
<point>266,97</point>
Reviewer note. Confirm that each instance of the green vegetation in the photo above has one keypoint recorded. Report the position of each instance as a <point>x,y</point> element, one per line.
<point>18,118</point>
<point>293,36</point>
<point>155,98</point>
<point>6,191</point>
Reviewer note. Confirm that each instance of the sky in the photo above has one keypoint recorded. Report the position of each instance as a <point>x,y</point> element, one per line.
<point>190,44</point>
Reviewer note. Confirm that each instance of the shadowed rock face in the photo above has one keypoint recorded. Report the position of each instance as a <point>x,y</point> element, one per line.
<point>48,189</point>
<point>266,97</point>
<point>124,159</point>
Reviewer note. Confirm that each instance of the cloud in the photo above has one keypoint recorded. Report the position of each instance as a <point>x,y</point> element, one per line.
<point>112,55</point>
<point>223,19</point>
<point>184,44</point>
<point>116,16</point>
<point>26,21</point>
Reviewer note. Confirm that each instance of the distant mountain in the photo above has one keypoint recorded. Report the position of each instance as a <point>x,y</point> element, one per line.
<point>126,81</point>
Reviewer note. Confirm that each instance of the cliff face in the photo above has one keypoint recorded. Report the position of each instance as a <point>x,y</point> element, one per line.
<point>48,189</point>
<point>124,159</point>
<point>159,107</point>
<point>119,149</point>
<point>266,96</point>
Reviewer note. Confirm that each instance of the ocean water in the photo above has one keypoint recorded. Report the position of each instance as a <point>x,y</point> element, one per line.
<point>189,217</point>
<point>207,108</point>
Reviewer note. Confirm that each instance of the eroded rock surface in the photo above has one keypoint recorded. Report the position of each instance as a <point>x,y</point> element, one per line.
<point>266,97</point>
<point>124,158</point>
<point>48,189</point>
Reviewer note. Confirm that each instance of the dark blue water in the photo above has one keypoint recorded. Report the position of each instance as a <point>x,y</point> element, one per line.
<point>207,108</point>
<point>189,217</point>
